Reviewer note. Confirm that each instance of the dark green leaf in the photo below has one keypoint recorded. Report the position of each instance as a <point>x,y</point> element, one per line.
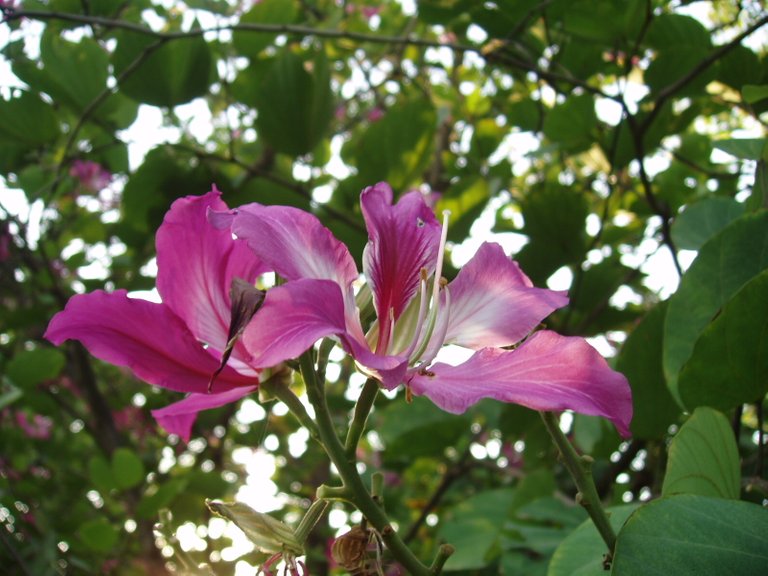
<point>295,103</point>
<point>706,536</point>
<point>163,74</point>
<point>397,148</point>
<point>744,148</point>
<point>702,220</point>
<point>27,120</point>
<point>127,468</point>
<point>729,363</point>
<point>582,552</point>
<point>31,367</point>
<point>725,263</point>
<point>703,458</point>
<point>100,473</point>
<point>640,361</point>
<point>752,93</point>
<point>571,124</point>
<point>99,535</point>
<point>251,42</point>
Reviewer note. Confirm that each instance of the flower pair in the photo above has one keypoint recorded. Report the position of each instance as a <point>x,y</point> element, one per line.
<point>489,307</point>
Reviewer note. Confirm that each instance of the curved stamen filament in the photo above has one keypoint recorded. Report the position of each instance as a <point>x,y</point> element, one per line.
<point>440,336</point>
<point>421,315</point>
<point>435,304</point>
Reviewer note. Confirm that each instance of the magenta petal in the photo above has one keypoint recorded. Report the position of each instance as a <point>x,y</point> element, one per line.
<point>177,418</point>
<point>292,242</point>
<point>196,265</point>
<point>146,337</point>
<point>403,239</point>
<point>547,372</point>
<point>293,317</point>
<point>494,304</point>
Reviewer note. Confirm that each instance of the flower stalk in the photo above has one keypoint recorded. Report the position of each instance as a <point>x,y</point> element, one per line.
<point>580,469</point>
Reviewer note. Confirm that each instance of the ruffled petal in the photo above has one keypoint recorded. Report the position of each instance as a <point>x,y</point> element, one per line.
<point>493,303</point>
<point>293,317</point>
<point>292,242</point>
<point>178,418</point>
<point>403,239</point>
<point>547,372</point>
<point>146,337</point>
<point>196,265</point>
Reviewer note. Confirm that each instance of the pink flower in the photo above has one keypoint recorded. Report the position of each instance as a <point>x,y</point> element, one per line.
<point>6,241</point>
<point>92,175</point>
<point>490,306</point>
<point>369,12</point>
<point>177,344</point>
<point>375,114</point>
<point>38,428</point>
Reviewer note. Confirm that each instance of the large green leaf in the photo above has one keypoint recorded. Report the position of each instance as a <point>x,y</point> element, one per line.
<point>703,458</point>
<point>582,552</point>
<point>702,220</point>
<point>78,69</point>
<point>729,364</point>
<point>127,468</point>
<point>725,263</point>
<point>27,120</point>
<point>571,124</point>
<point>397,148</point>
<point>163,75</point>
<point>31,367</point>
<point>640,361</point>
<point>555,223</point>
<point>474,527</point>
<point>295,103</point>
<point>99,535</point>
<point>419,428</point>
<point>694,535</point>
<point>251,42</point>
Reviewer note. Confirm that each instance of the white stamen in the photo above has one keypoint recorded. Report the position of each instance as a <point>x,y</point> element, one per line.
<point>421,315</point>
<point>440,253</point>
<point>440,337</point>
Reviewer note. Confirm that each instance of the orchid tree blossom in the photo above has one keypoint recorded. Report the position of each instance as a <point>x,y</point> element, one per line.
<point>181,342</point>
<point>491,307</point>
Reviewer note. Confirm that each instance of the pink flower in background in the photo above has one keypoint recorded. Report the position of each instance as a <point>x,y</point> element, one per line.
<point>39,427</point>
<point>369,12</point>
<point>92,175</point>
<point>490,306</point>
<point>6,241</point>
<point>180,343</point>
<point>375,114</point>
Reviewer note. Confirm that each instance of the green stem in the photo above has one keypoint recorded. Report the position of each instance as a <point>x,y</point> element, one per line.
<point>580,468</point>
<point>347,469</point>
<point>277,388</point>
<point>360,417</point>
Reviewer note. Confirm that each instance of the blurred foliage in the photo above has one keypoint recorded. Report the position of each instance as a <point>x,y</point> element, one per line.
<point>596,136</point>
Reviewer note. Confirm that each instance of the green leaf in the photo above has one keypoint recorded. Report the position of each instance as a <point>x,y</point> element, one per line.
<point>700,535</point>
<point>397,148</point>
<point>752,93</point>
<point>78,69</point>
<point>268,534</point>
<point>466,200</point>
<point>758,199</point>
<point>668,67</point>
<point>555,223</point>
<point>729,363</point>
<point>725,263</point>
<point>100,473</point>
<point>28,120</point>
<point>671,31</point>
<point>99,535</point>
<point>473,528</point>
<point>249,42</point>
<point>571,124</point>
<point>582,552</point>
<point>640,361</point>
<point>31,367</point>
<point>159,497</point>
<point>163,75</point>
<point>9,395</point>
<point>295,103</point>
<point>127,468</point>
<point>744,148</point>
<point>703,458</point>
<point>702,220</point>
<point>419,428</point>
